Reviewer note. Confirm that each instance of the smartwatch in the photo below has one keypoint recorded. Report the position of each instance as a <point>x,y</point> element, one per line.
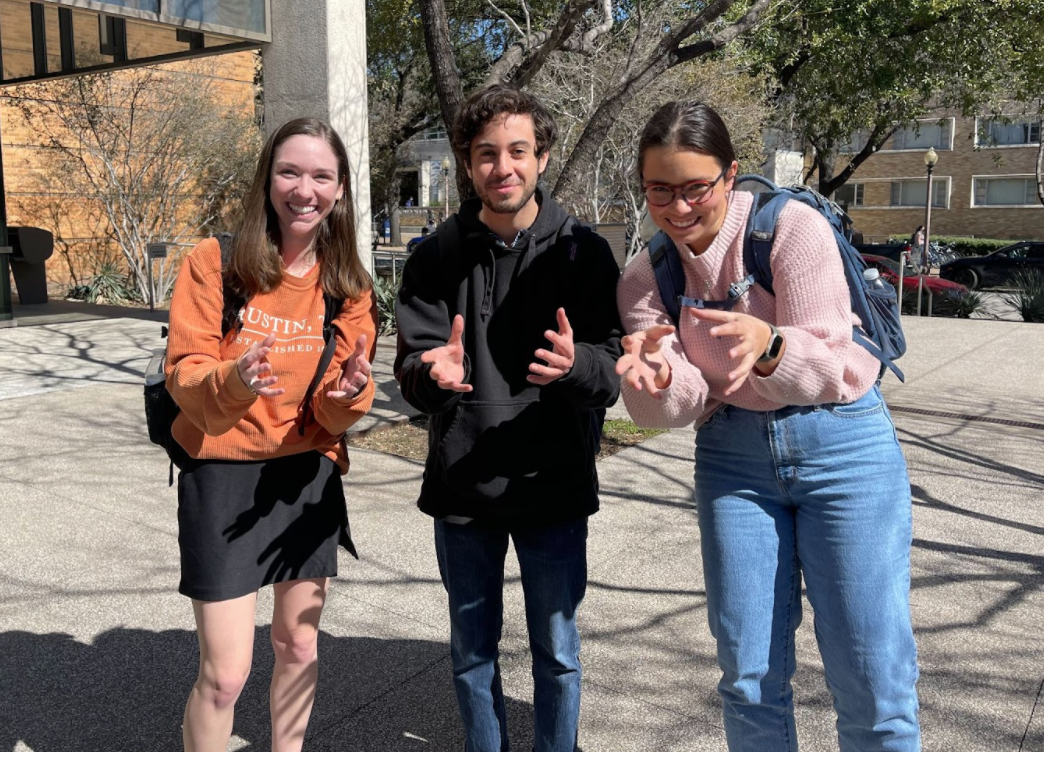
<point>775,345</point>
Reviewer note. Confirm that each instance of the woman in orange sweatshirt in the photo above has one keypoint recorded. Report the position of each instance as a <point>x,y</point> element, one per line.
<point>260,499</point>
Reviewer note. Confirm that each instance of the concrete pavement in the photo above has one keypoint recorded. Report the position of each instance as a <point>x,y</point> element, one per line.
<point>97,650</point>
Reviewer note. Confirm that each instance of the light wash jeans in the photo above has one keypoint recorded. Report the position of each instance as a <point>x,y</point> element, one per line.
<point>553,565</point>
<point>819,492</point>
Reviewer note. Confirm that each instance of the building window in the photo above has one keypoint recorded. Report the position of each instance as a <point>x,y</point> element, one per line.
<point>849,195</point>
<point>856,142</point>
<point>1005,191</point>
<point>435,132</point>
<point>911,193</point>
<point>924,135</point>
<point>994,132</point>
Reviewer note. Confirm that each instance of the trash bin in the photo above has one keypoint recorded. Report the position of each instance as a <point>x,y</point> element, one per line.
<point>30,248</point>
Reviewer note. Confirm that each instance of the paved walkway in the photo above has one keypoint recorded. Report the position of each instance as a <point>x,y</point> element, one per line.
<point>97,650</point>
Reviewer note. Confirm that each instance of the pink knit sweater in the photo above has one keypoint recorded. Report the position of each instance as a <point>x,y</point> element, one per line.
<point>812,308</point>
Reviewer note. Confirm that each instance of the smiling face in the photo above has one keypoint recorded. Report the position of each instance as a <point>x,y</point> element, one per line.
<point>694,225</point>
<point>304,186</point>
<point>504,165</point>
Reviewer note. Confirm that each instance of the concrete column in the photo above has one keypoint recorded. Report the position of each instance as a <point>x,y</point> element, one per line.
<point>316,66</point>
<point>424,196</point>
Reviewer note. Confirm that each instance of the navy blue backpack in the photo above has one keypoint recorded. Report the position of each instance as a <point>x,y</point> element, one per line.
<point>876,306</point>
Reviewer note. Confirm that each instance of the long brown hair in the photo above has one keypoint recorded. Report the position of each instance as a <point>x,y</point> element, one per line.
<point>257,266</point>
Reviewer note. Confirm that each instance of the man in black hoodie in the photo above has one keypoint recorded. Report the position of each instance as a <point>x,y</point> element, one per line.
<point>508,340</point>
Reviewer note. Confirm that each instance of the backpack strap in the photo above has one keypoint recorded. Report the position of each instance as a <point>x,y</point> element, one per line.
<point>333,307</point>
<point>233,299</point>
<point>670,280</point>
<point>761,232</point>
<point>447,236</point>
<point>670,276</point>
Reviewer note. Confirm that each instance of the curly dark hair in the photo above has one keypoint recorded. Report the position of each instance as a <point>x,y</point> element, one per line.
<point>487,104</point>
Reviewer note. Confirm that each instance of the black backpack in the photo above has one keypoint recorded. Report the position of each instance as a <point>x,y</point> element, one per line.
<point>160,408</point>
<point>881,333</point>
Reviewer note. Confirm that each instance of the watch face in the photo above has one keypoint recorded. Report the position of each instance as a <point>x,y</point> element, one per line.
<point>776,346</point>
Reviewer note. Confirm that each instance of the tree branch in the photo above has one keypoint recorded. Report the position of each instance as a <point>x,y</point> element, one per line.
<point>522,60</point>
<point>510,20</point>
<point>723,37</point>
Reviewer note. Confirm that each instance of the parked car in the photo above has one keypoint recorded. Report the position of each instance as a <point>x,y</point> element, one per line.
<point>997,268</point>
<point>890,272</point>
<point>890,250</point>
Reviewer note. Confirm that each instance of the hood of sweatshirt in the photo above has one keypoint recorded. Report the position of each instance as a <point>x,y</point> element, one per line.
<point>479,240</point>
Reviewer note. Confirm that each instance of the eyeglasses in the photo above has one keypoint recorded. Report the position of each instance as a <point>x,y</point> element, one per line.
<point>694,193</point>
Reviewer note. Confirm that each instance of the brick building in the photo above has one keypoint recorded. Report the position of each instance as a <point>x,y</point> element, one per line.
<point>983,184</point>
<point>36,198</point>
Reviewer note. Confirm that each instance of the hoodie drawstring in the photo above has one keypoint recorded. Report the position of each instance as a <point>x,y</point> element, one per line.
<point>491,280</point>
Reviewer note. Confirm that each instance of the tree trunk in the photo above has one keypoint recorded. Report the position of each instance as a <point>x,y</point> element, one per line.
<point>877,138</point>
<point>444,71</point>
<point>1040,160</point>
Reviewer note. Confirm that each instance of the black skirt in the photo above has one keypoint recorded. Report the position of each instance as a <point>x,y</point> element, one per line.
<point>246,524</point>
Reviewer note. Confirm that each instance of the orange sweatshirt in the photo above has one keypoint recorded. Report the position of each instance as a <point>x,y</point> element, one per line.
<point>220,417</point>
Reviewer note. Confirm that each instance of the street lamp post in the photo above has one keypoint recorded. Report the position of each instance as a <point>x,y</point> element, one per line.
<point>445,181</point>
<point>930,159</point>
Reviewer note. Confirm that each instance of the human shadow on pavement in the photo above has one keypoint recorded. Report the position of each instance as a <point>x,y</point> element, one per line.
<point>126,691</point>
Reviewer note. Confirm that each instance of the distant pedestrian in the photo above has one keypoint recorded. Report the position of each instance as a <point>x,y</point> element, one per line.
<point>508,339</point>
<point>917,251</point>
<point>798,470</point>
<point>260,499</point>
<point>917,238</point>
<point>409,201</point>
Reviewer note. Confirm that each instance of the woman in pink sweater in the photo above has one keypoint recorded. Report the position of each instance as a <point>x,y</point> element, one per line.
<point>798,468</point>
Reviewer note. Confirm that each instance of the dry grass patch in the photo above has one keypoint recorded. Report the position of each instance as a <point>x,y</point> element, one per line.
<point>409,439</point>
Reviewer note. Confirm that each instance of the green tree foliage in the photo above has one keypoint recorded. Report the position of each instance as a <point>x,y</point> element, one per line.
<point>849,66</point>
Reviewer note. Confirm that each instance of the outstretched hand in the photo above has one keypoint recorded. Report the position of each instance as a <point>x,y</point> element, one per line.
<point>355,372</point>
<point>561,356</point>
<point>753,337</point>
<point>447,362</point>
<point>642,365</point>
<point>252,365</point>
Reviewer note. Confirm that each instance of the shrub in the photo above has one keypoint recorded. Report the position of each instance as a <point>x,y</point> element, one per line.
<point>109,284</point>
<point>1028,295</point>
<point>964,305</point>
<point>385,292</point>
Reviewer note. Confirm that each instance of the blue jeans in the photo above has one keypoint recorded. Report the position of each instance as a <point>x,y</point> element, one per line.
<point>553,564</point>
<point>819,492</point>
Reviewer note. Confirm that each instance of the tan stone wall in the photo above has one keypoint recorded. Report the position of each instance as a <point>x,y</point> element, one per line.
<point>958,166</point>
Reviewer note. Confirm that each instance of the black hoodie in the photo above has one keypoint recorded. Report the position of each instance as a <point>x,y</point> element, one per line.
<point>510,452</point>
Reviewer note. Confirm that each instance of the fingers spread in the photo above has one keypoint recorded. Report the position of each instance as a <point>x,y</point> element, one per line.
<point>659,331</point>
<point>457,330</point>
<point>554,359</point>
<point>563,323</point>
<point>710,314</point>
<point>542,370</point>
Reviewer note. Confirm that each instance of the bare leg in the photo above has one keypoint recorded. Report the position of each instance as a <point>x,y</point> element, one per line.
<point>226,647</point>
<point>295,631</point>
